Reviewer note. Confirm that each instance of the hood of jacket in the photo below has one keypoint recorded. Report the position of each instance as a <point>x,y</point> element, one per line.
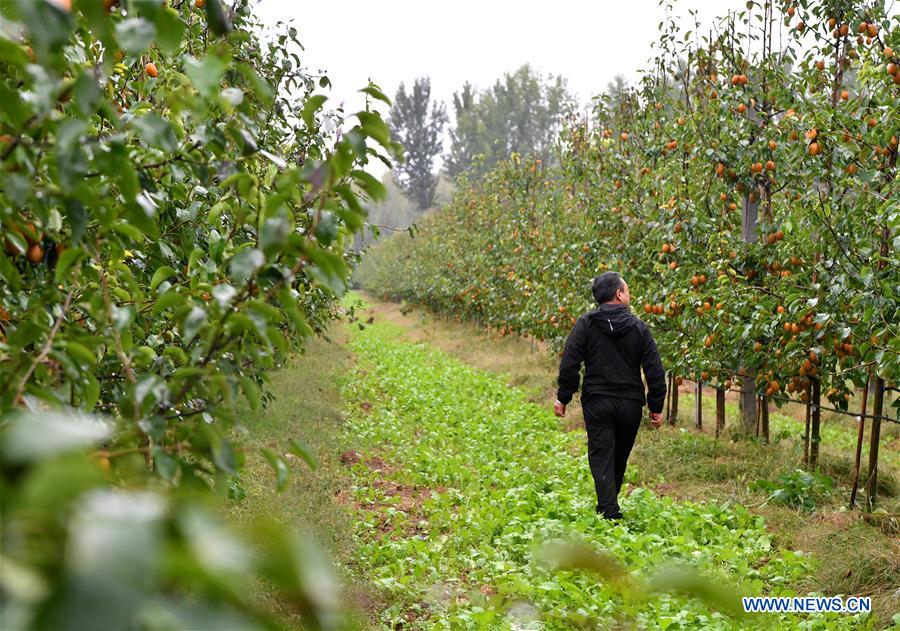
<point>613,320</point>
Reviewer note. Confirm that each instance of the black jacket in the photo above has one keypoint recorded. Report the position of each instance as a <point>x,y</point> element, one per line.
<point>614,344</point>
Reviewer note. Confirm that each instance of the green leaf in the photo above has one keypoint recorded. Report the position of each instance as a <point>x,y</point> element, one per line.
<point>373,91</point>
<point>289,303</point>
<point>282,472</point>
<point>304,451</point>
<point>218,22</point>
<point>135,35</point>
<point>169,31</point>
<point>374,126</point>
<point>222,454</point>
<point>39,435</point>
<point>376,190</point>
<point>80,352</point>
<point>313,104</point>
<point>156,132</point>
<point>49,26</point>
<point>245,264</point>
<point>160,275</point>
<point>66,261</point>
<point>165,464</point>
<point>192,323</point>
<point>251,392</point>
<point>207,74</point>
<point>129,231</point>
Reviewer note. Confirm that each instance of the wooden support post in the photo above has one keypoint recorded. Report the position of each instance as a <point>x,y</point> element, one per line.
<point>859,441</point>
<point>806,431</point>
<point>814,438</point>
<point>671,381</point>
<point>720,411</point>
<point>874,438</point>
<point>674,418</point>
<point>698,405</point>
<point>758,412</point>
<point>765,418</point>
<point>749,216</point>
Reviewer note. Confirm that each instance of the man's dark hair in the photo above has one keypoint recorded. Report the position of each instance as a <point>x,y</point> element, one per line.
<point>605,286</point>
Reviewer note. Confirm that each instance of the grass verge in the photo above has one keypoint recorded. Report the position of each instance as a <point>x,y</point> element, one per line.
<point>307,407</point>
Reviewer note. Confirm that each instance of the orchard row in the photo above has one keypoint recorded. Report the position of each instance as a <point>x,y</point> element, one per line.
<point>746,193</point>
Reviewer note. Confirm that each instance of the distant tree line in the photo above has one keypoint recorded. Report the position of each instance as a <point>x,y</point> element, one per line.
<point>521,113</point>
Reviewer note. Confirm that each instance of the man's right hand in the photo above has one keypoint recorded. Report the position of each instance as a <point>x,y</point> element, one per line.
<point>656,419</point>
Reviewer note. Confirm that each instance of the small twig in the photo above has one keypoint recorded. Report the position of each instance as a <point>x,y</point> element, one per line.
<point>46,350</point>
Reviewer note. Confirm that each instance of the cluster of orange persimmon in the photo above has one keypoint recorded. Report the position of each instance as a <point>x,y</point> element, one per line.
<point>32,237</point>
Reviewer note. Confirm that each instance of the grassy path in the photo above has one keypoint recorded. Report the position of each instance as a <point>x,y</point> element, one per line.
<point>441,468</point>
<point>458,478</point>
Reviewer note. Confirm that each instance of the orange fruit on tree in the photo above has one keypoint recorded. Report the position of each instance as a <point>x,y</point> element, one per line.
<point>151,70</point>
<point>35,253</point>
<point>845,95</point>
<point>814,149</point>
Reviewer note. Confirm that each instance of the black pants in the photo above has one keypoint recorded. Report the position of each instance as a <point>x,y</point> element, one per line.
<point>612,425</point>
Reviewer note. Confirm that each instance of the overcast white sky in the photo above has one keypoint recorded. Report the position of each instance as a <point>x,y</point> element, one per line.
<point>390,42</point>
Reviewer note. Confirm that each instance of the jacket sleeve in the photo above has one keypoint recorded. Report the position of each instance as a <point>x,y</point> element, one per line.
<point>570,365</point>
<point>653,372</point>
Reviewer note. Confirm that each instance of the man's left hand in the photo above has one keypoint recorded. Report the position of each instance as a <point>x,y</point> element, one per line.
<point>559,409</point>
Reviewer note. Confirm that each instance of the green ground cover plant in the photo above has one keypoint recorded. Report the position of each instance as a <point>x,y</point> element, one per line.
<point>460,482</point>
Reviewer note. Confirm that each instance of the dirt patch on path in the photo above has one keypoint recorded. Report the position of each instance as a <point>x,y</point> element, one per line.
<point>397,496</point>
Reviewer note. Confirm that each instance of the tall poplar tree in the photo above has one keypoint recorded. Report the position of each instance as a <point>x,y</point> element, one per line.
<point>420,130</point>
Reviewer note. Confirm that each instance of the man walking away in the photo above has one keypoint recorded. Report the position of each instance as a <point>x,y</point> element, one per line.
<point>614,345</point>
